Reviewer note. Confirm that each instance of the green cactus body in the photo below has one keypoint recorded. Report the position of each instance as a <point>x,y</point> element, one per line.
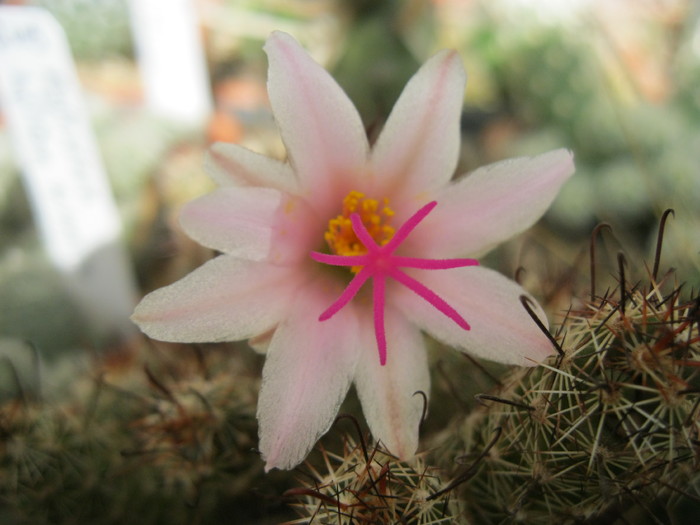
<point>609,424</point>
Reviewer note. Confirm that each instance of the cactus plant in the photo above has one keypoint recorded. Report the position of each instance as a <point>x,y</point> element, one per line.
<point>365,486</point>
<point>609,424</point>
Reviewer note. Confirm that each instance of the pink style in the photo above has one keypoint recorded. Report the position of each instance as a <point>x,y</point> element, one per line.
<point>380,263</point>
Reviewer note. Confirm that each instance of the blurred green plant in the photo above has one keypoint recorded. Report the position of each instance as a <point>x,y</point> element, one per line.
<point>96,29</point>
<point>567,83</point>
<point>163,440</point>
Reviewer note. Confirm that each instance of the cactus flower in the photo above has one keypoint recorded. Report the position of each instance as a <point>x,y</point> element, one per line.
<point>300,241</point>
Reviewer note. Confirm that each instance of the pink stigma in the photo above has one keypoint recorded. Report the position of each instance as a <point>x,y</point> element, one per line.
<point>379,263</point>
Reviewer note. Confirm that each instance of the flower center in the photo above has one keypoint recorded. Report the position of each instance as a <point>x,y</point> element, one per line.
<point>378,262</point>
<point>375,216</point>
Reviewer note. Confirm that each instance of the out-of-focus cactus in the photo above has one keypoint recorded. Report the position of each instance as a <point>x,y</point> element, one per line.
<point>163,440</point>
<point>609,424</point>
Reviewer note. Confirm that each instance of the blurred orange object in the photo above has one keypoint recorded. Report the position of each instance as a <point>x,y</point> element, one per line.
<point>224,126</point>
<point>235,96</point>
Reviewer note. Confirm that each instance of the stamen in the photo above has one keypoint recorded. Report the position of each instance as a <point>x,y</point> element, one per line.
<point>379,262</point>
<point>374,214</point>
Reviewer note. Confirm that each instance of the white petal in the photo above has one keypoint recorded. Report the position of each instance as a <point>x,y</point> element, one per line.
<point>323,133</point>
<point>259,224</point>
<point>261,343</point>
<point>390,394</point>
<point>237,221</point>
<point>418,148</point>
<point>234,165</point>
<point>225,299</point>
<point>309,367</point>
<point>501,329</point>
<point>492,205</point>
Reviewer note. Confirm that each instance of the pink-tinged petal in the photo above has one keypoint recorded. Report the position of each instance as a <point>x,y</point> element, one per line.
<point>236,221</point>
<point>323,133</point>
<point>258,224</point>
<point>418,148</point>
<point>226,299</point>
<point>492,204</point>
<point>501,329</point>
<point>296,231</point>
<point>308,371</point>
<point>388,393</point>
<point>260,343</point>
<point>234,165</point>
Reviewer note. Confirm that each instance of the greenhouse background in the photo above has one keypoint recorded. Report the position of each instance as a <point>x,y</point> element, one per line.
<point>99,424</point>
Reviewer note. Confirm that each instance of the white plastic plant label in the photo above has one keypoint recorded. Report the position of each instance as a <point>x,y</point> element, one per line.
<point>171,59</point>
<point>65,179</point>
<point>44,109</point>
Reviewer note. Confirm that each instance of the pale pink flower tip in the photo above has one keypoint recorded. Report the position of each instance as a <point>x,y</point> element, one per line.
<point>300,239</point>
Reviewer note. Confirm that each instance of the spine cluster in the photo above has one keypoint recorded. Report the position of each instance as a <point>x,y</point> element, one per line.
<point>611,423</point>
<point>367,486</point>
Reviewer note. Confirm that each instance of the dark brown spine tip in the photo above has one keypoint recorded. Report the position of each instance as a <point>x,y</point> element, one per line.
<point>659,242</point>
<point>487,397</point>
<point>360,436</point>
<point>594,236</point>
<point>470,471</point>
<point>527,304</point>
<point>621,262</point>
<point>424,396</point>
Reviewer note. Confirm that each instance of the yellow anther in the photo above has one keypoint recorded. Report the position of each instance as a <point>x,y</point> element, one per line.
<point>340,236</point>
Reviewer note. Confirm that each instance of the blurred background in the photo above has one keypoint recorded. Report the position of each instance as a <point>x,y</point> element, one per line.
<point>614,81</point>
